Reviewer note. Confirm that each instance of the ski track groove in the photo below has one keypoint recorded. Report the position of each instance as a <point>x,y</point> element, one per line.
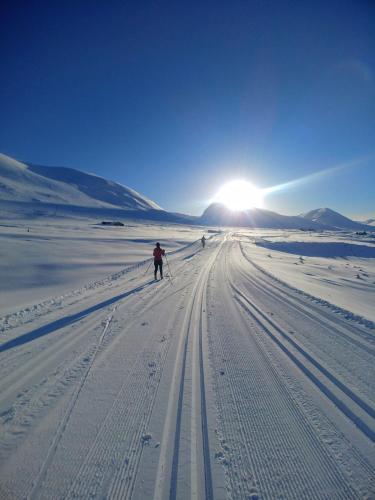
<point>240,396</point>
<point>325,428</point>
<point>196,302</point>
<point>235,374</point>
<point>31,402</point>
<point>359,325</point>
<point>117,490</point>
<point>63,425</point>
<point>40,394</point>
<point>39,362</point>
<point>64,422</point>
<point>33,312</point>
<point>93,319</point>
<point>230,432</point>
<point>264,321</point>
<point>176,446</point>
<point>255,404</point>
<point>366,344</point>
<point>85,320</point>
<point>125,421</point>
<point>205,439</point>
<point>356,419</point>
<point>356,334</point>
<point>267,438</point>
<point>37,365</point>
<point>173,425</point>
<point>358,352</point>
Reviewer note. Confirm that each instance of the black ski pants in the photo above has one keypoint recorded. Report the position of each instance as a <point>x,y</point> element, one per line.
<point>158,264</point>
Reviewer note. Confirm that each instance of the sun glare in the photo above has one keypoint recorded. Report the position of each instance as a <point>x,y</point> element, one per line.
<point>239,195</point>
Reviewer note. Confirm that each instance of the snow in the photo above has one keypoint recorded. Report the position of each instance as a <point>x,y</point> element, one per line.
<point>332,219</point>
<point>49,257</point>
<point>22,182</point>
<point>336,269</point>
<point>218,213</point>
<point>29,191</point>
<point>318,219</point>
<point>248,372</point>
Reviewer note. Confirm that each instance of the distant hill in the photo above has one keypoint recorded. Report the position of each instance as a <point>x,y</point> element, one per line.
<point>333,219</point>
<point>219,214</point>
<point>319,219</point>
<point>23,182</point>
<point>33,190</point>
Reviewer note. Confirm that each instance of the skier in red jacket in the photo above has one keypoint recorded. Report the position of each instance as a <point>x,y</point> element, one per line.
<point>158,259</point>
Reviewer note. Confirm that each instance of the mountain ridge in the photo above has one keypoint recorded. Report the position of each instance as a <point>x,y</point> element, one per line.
<point>37,189</point>
<point>218,213</point>
<point>329,217</point>
<point>318,219</point>
<point>27,182</point>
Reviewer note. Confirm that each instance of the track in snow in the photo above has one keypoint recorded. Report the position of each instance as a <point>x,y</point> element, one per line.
<point>314,370</point>
<point>276,441</point>
<point>64,421</point>
<point>190,354</point>
<point>221,384</point>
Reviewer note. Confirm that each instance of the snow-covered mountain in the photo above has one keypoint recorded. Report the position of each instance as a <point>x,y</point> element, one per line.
<point>23,182</point>
<point>219,214</point>
<point>319,219</point>
<point>329,217</point>
<point>39,189</point>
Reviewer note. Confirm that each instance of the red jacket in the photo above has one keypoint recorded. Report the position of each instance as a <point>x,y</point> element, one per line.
<point>158,253</point>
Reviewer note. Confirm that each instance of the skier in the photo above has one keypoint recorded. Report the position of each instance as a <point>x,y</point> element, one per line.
<point>158,259</point>
<point>203,240</point>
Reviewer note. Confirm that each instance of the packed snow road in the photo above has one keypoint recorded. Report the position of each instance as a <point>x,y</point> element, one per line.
<point>217,382</point>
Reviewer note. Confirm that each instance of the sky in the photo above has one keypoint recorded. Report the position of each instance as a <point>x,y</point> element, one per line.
<point>174,99</point>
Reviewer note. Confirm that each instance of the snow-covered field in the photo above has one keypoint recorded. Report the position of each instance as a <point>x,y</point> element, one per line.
<point>248,372</point>
<point>336,267</point>
<point>50,257</point>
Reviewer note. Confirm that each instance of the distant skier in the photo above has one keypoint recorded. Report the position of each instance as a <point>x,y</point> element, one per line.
<point>158,259</point>
<point>203,240</point>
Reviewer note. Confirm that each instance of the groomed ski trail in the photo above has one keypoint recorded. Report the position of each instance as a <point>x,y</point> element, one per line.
<point>280,437</point>
<point>188,391</point>
<point>221,384</point>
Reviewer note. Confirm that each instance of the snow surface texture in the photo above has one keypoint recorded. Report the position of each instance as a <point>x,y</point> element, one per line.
<point>51,256</point>
<point>234,377</point>
<point>23,182</point>
<point>339,270</point>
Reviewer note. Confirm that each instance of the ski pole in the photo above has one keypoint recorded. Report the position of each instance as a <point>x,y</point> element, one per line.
<point>148,268</point>
<point>169,269</point>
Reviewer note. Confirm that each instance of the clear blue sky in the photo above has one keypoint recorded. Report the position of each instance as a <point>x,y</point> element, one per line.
<point>175,98</point>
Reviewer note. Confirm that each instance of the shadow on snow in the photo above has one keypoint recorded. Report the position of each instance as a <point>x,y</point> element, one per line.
<point>61,323</point>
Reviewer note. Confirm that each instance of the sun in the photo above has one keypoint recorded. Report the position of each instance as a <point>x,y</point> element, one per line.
<point>240,195</point>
